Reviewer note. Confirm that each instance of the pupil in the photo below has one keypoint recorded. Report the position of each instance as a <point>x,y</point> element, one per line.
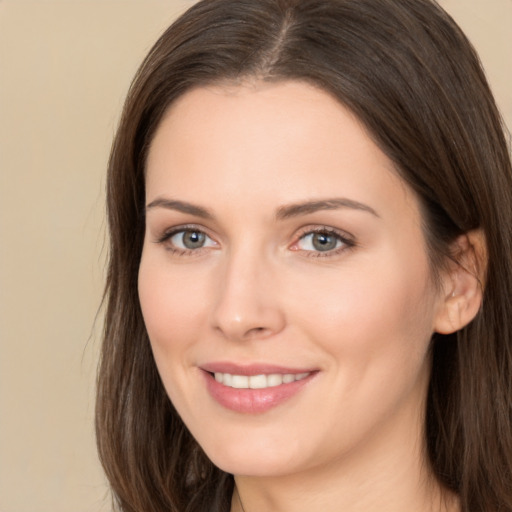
<point>324,242</point>
<point>193,239</point>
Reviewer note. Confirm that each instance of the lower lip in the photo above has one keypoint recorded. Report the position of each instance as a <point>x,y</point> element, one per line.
<point>253,401</point>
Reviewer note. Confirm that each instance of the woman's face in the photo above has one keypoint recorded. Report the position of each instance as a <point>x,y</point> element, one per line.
<point>284,281</point>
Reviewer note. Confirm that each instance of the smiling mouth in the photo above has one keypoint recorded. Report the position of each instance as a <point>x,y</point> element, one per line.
<point>261,381</point>
<point>256,388</point>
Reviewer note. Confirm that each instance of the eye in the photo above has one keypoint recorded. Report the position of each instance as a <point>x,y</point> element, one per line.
<point>323,241</point>
<point>187,239</point>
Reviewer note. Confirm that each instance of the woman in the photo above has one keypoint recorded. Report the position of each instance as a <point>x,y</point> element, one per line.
<point>308,293</point>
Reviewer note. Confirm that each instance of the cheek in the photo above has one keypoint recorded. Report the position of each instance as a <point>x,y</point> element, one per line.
<point>374,328</point>
<point>379,312</point>
<point>172,303</point>
<point>173,307</point>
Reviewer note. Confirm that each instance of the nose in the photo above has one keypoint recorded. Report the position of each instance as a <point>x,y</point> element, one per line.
<point>247,305</point>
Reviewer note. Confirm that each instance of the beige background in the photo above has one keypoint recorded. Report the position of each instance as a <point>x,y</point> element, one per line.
<point>64,69</point>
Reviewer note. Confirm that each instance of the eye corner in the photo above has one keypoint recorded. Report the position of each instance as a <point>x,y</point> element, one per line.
<point>174,240</point>
<point>340,241</point>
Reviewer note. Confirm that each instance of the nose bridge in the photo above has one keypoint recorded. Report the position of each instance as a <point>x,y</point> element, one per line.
<point>247,304</point>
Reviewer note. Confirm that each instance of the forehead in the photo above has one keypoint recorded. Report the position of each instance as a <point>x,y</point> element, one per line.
<point>271,143</point>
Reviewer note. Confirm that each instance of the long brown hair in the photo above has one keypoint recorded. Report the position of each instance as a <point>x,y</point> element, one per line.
<point>411,76</point>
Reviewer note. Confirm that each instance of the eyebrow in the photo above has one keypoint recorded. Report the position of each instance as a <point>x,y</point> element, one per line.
<point>282,213</point>
<point>180,206</point>
<point>294,210</point>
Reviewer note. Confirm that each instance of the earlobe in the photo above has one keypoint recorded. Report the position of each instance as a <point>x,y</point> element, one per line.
<point>464,283</point>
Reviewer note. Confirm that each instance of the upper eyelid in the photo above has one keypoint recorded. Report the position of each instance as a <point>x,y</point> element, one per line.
<point>348,241</point>
<point>166,234</point>
<point>165,237</point>
<point>345,236</point>
<point>314,228</point>
<point>185,227</point>
<point>325,229</point>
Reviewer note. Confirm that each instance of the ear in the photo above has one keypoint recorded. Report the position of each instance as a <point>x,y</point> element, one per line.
<point>462,283</point>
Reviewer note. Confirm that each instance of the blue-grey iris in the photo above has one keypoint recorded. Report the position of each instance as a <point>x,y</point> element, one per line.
<point>324,241</point>
<point>193,239</point>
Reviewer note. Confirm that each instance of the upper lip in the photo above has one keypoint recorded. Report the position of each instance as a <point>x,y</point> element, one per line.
<point>251,369</point>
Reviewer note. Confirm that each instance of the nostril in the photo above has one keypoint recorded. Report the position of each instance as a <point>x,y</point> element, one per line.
<point>255,332</point>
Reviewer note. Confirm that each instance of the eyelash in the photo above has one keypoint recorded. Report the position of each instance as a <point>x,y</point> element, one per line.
<point>167,235</point>
<point>346,240</point>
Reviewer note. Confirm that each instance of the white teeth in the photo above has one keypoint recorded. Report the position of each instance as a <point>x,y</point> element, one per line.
<point>240,381</point>
<point>288,378</point>
<point>275,379</point>
<point>258,381</point>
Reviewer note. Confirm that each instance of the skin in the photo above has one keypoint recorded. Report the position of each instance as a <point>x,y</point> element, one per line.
<point>259,291</point>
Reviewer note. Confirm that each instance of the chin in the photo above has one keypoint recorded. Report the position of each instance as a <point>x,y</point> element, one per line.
<point>254,459</point>
<point>255,467</point>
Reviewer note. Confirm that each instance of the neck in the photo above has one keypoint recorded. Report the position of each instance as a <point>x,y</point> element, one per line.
<point>382,476</point>
<point>297,499</point>
<point>372,493</point>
